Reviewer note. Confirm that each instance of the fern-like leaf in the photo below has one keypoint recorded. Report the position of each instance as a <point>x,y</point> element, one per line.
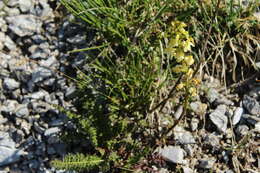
<point>77,162</point>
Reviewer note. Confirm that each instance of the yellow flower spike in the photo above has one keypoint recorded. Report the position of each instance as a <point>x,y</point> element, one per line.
<point>186,46</point>
<point>196,81</point>
<point>174,42</point>
<point>180,68</point>
<point>189,60</point>
<point>179,56</point>
<point>189,73</point>
<point>193,91</point>
<point>180,86</point>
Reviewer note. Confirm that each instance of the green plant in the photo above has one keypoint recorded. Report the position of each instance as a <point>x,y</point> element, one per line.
<point>143,59</point>
<point>143,66</point>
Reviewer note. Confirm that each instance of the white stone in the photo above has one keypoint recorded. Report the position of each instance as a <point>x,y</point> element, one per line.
<point>173,154</point>
<point>237,115</point>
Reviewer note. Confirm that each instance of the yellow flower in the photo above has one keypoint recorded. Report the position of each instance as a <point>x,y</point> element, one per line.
<point>179,56</point>
<point>196,81</point>
<point>188,60</point>
<point>180,68</point>
<point>187,45</point>
<point>175,41</point>
<point>180,86</point>
<point>189,73</point>
<point>178,24</point>
<point>193,91</point>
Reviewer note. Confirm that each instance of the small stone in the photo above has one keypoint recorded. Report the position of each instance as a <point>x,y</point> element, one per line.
<point>178,112</point>
<point>251,119</point>
<point>212,95</point>
<point>51,61</point>
<point>199,108</point>
<point>212,140</point>
<point>57,122</point>
<point>189,150</point>
<point>2,119</point>
<point>8,153</point>
<point>3,25</point>
<point>51,131</point>
<point>173,154</point>
<point>219,118</point>
<point>12,3</point>
<point>39,95</point>
<point>187,170</point>
<point>9,106</point>
<point>70,92</point>
<point>9,43</point>
<point>10,84</point>
<point>223,100</point>
<point>38,128</point>
<point>22,111</point>
<point>40,74</point>
<point>183,136</point>
<point>237,115</point>
<point>242,130</point>
<point>24,25</point>
<point>207,163</point>
<point>25,5</point>
<point>251,105</point>
<point>38,53</point>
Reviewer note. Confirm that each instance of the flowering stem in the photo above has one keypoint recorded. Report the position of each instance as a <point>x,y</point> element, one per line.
<point>182,115</point>
<point>162,103</point>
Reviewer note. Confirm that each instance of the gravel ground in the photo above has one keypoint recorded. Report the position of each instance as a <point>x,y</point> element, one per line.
<point>222,133</point>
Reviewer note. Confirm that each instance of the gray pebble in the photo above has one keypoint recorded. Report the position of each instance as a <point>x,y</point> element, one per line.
<point>207,163</point>
<point>237,115</point>
<point>39,95</point>
<point>24,25</point>
<point>51,131</point>
<point>251,105</point>
<point>212,94</point>
<point>219,118</point>
<point>70,92</point>
<point>174,154</point>
<point>242,130</point>
<point>198,107</point>
<point>40,74</point>
<point>178,112</point>
<point>12,3</point>
<point>10,84</point>
<point>183,136</point>
<point>3,119</point>
<point>22,111</point>
<point>223,100</point>
<point>187,170</point>
<point>8,153</point>
<point>25,5</point>
<point>251,119</point>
